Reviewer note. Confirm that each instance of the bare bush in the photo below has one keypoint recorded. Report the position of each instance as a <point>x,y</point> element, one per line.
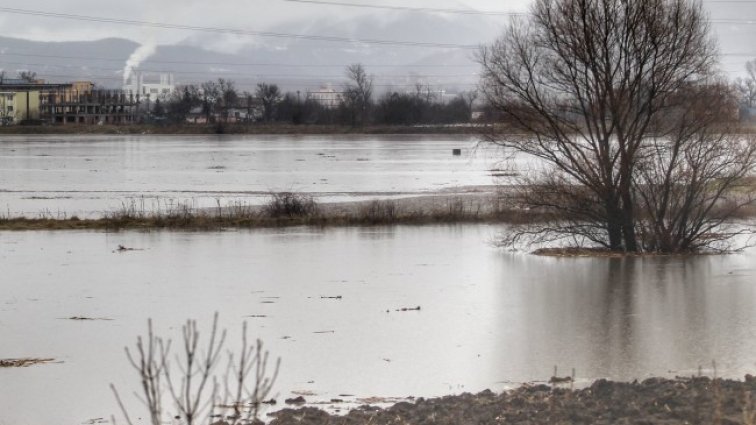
<point>290,204</point>
<point>191,382</point>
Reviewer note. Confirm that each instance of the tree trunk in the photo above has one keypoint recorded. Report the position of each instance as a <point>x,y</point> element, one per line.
<point>628,223</point>
<point>614,226</point>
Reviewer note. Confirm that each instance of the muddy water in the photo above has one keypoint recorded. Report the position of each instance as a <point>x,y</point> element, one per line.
<point>488,318</point>
<point>90,175</point>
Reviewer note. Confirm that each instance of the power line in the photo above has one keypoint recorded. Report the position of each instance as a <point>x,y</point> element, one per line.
<point>234,31</point>
<point>410,9</point>
<point>264,64</point>
<point>492,13</point>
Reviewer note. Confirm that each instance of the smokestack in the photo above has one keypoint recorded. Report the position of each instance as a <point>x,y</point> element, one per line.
<point>140,55</point>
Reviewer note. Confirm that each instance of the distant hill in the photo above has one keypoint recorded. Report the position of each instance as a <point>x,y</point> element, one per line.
<point>294,64</point>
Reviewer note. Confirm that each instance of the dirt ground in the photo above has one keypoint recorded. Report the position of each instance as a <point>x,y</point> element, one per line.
<point>699,400</point>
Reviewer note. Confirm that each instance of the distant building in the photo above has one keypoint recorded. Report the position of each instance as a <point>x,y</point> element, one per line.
<point>18,105</point>
<point>150,87</point>
<point>20,100</point>
<point>79,102</point>
<point>325,96</point>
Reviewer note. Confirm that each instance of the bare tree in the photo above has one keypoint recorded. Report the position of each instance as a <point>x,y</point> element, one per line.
<point>210,93</point>
<point>227,96</point>
<point>270,97</point>
<point>28,76</point>
<point>691,177</point>
<point>470,97</point>
<point>584,83</point>
<point>358,94</point>
<point>746,87</point>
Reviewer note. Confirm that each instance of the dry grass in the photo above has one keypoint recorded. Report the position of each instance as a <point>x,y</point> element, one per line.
<point>287,209</point>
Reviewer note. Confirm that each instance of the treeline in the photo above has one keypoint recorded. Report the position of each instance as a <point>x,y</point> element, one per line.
<point>354,104</point>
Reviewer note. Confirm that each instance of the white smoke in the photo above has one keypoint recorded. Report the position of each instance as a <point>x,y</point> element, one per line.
<point>140,55</point>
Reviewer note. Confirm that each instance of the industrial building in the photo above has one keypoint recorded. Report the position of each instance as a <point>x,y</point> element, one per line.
<point>23,102</point>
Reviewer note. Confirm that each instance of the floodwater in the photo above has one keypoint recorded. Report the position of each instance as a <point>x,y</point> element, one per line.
<point>91,175</point>
<point>488,318</point>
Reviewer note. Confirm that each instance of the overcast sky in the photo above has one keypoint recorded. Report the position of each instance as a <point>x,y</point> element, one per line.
<point>738,38</point>
<point>243,14</point>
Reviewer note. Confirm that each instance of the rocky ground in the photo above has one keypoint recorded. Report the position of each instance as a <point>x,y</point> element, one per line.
<point>698,400</point>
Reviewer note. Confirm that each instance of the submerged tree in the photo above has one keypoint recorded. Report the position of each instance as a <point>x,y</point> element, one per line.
<point>601,92</point>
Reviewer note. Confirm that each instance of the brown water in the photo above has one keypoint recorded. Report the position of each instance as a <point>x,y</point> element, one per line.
<point>488,318</point>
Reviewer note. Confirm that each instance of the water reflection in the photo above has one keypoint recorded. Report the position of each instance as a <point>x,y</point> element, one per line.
<point>630,318</point>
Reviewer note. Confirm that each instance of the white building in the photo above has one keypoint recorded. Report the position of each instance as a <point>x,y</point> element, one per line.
<point>150,87</point>
<point>326,96</point>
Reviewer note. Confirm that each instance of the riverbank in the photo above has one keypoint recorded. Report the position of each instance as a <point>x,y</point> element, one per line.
<point>699,400</point>
<point>256,128</point>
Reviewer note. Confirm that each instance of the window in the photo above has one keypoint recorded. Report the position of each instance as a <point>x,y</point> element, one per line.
<point>10,108</point>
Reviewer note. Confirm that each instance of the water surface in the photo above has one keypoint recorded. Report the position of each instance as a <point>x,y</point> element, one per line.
<point>90,175</point>
<point>488,318</point>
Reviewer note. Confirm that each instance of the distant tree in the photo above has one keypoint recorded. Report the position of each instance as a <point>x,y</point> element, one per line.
<point>158,110</point>
<point>746,87</point>
<point>470,97</point>
<point>357,96</point>
<point>28,76</point>
<point>210,94</point>
<point>270,96</point>
<point>227,96</point>
<point>290,109</point>
<point>180,103</point>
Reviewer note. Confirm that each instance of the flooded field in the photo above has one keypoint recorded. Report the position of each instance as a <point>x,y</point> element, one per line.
<point>90,175</point>
<point>488,318</point>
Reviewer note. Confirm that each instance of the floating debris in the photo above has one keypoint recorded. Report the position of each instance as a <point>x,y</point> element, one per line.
<point>256,316</point>
<point>296,400</point>
<point>560,380</point>
<point>337,297</point>
<point>86,318</point>
<point>23,362</point>
<point>324,332</point>
<point>122,248</point>
<point>409,309</point>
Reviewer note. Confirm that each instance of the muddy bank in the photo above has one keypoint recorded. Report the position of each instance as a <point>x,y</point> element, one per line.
<point>654,401</point>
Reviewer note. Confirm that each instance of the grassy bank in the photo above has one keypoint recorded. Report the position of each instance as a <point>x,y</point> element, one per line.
<point>283,129</point>
<point>289,210</point>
